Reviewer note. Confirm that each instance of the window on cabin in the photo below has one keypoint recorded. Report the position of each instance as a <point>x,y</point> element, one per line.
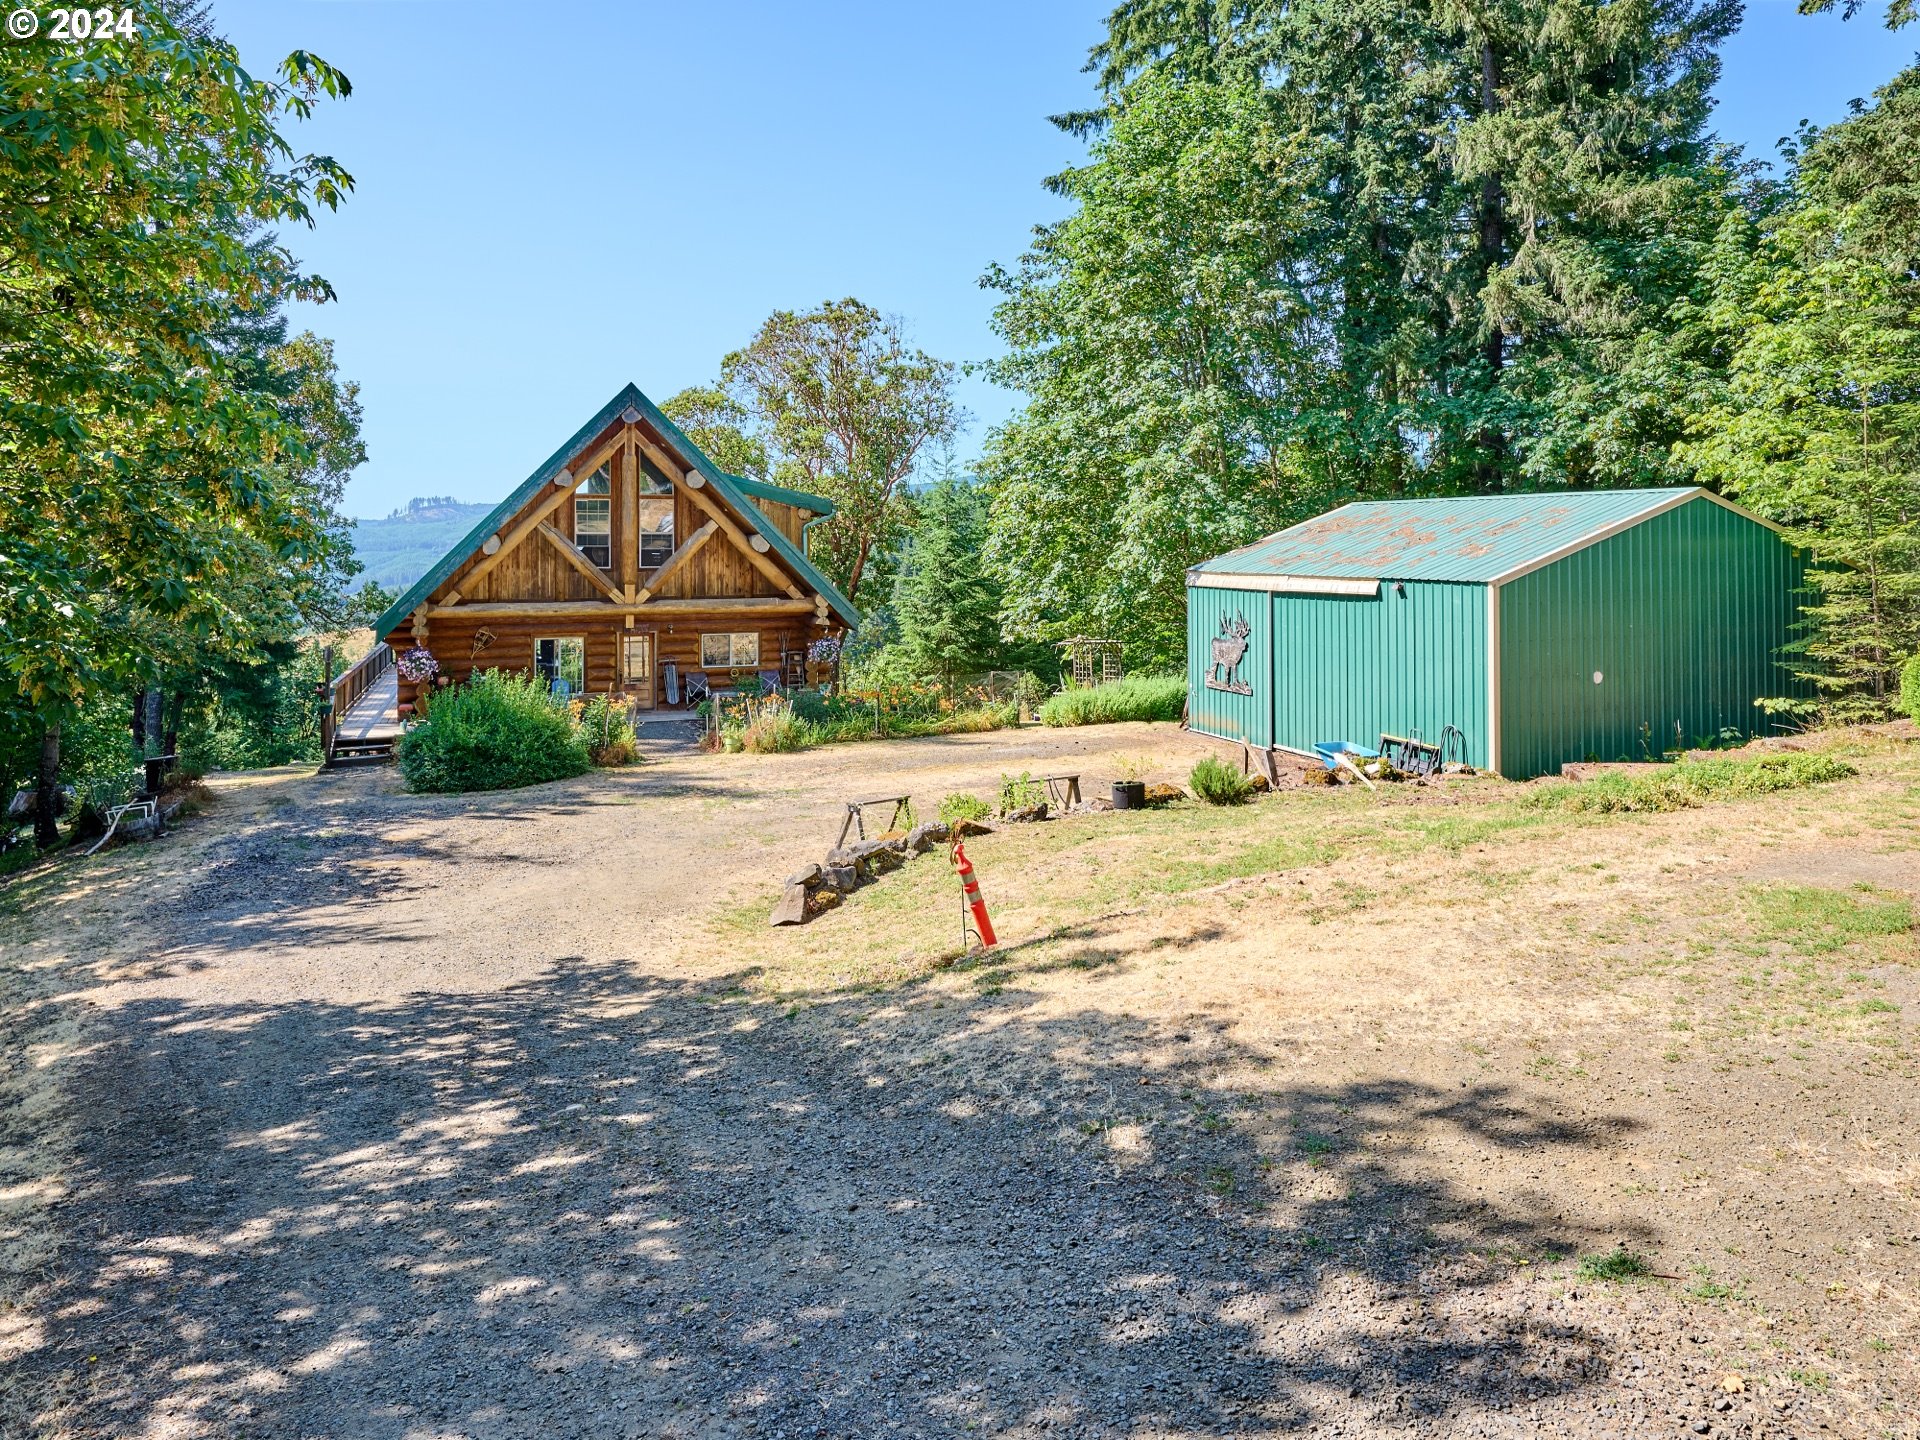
<point>593,517</point>
<point>739,651</point>
<point>562,663</point>
<point>656,532</point>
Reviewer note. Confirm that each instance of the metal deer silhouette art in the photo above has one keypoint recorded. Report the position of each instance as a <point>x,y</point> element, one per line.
<point>1229,649</point>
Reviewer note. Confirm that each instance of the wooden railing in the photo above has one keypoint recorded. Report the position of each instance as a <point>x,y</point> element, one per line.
<point>350,685</point>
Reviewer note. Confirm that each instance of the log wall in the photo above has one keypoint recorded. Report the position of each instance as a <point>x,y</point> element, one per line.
<point>451,639</point>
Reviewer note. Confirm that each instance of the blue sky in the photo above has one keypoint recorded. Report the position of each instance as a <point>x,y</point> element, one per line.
<point>554,200</point>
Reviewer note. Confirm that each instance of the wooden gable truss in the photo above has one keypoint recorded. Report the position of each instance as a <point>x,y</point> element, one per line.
<point>527,564</point>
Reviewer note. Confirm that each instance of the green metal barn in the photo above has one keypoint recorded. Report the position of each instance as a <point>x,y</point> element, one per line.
<point>1544,628</point>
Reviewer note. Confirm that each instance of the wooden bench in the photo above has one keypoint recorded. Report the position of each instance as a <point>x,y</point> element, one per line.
<point>1063,791</point>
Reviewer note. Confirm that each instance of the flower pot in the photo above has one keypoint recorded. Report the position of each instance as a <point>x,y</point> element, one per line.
<point>1129,795</point>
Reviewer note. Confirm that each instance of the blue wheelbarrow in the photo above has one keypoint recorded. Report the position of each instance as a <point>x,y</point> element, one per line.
<point>1331,750</point>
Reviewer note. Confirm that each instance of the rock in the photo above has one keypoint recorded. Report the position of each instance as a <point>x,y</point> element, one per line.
<point>1026,813</point>
<point>792,909</point>
<point>869,857</point>
<point>805,875</point>
<point>1259,782</point>
<point>1162,794</point>
<point>924,837</point>
<point>824,898</point>
<point>840,878</point>
<point>964,828</point>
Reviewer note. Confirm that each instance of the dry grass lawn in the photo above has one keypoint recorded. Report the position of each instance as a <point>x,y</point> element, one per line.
<point>1428,1112</point>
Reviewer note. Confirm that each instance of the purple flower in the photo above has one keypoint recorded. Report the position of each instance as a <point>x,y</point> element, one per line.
<point>417,665</point>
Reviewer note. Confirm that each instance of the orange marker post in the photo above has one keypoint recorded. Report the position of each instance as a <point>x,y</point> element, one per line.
<point>970,896</point>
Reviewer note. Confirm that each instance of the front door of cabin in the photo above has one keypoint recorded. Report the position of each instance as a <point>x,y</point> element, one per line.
<point>639,668</point>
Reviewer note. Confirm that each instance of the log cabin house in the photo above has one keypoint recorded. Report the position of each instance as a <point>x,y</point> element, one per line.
<point>627,563</point>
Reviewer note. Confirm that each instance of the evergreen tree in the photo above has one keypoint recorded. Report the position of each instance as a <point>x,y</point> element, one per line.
<point>1817,424</point>
<point>1513,189</point>
<point>1174,366</point>
<point>1326,248</point>
<point>946,605</point>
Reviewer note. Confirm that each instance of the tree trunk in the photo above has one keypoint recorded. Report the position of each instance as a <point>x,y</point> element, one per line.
<point>46,826</point>
<point>140,721</point>
<point>176,707</point>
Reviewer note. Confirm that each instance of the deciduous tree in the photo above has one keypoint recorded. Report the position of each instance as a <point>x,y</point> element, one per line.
<point>153,488</point>
<point>846,409</point>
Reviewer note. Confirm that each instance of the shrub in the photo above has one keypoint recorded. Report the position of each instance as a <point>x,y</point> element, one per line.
<point>1020,792</point>
<point>1910,688</point>
<point>1138,697</point>
<point>495,732</point>
<point>607,731</point>
<point>961,806</point>
<point>773,729</point>
<point>1218,783</point>
<point>1690,783</point>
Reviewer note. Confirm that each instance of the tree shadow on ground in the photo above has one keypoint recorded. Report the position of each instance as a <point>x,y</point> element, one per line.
<point>605,1203</point>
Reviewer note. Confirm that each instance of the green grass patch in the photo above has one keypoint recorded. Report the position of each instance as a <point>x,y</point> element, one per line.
<point>1690,783</point>
<point>1138,697</point>
<point>1814,920</point>
<point>1616,1265</point>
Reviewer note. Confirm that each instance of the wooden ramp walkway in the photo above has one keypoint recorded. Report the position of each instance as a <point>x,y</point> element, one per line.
<point>376,714</point>
<point>366,733</point>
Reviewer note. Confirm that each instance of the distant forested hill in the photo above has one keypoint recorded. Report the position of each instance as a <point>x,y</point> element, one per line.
<point>401,548</point>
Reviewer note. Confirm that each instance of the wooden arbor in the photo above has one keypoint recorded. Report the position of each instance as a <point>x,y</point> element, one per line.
<point>1090,662</point>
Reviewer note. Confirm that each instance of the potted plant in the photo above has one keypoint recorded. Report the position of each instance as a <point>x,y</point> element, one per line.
<point>1130,790</point>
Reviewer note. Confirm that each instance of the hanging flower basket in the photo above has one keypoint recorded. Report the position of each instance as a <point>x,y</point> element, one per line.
<point>417,665</point>
<point>822,655</point>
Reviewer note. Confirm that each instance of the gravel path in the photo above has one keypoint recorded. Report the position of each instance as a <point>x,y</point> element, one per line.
<point>374,1136</point>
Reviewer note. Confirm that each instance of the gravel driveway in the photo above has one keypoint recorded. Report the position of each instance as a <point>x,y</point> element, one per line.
<point>381,1116</point>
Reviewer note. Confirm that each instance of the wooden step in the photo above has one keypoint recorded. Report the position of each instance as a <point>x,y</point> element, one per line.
<point>354,754</point>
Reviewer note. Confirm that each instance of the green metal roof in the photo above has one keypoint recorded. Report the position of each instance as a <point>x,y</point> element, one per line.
<point>1483,539</point>
<point>733,488</point>
<point>763,490</point>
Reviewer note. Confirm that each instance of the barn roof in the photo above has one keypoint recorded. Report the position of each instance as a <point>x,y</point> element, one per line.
<point>734,489</point>
<point>1482,539</point>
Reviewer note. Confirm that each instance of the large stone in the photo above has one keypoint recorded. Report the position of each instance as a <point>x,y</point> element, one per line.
<point>792,909</point>
<point>805,875</point>
<point>840,878</point>
<point>924,837</point>
<point>1026,813</point>
<point>883,859</point>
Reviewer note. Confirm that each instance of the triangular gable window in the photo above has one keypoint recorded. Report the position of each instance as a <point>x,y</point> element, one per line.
<point>652,480</point>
